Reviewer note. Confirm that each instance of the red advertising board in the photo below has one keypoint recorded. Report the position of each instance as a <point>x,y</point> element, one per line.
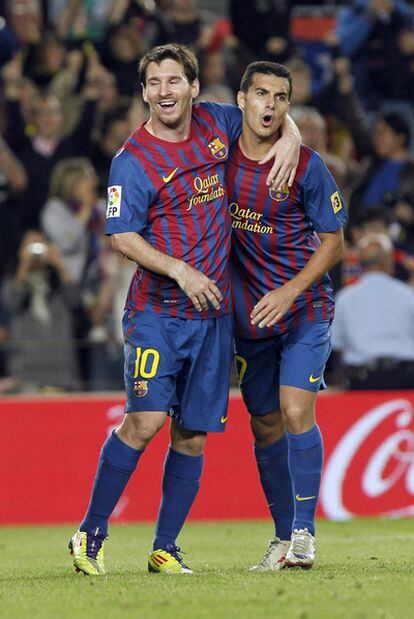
<point>49,448</point>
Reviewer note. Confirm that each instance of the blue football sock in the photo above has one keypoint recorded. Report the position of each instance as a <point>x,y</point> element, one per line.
<point>116,464</point>
<point>272,462</point>
<point>305,465</point>
<point>180,485</point>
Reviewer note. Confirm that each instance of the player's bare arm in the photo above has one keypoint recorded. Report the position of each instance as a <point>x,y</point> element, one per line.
<point>286,155</point>
<point>276,303</point>
<point>197,286</point>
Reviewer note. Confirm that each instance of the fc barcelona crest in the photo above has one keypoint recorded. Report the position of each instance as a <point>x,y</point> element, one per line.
<point>218,149</point>
<point>279,194</point>
<point>141,388</point>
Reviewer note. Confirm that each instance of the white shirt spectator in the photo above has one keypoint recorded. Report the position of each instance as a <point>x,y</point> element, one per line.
<point>374,319</point>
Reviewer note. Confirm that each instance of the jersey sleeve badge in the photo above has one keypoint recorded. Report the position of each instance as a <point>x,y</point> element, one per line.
<point>336,202</point>
<point>114,201</point>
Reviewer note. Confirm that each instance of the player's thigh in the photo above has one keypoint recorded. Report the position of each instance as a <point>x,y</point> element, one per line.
<point>203,384</point>
<point>152,361</point>
<point>257,363</point>
<point>305,351</point>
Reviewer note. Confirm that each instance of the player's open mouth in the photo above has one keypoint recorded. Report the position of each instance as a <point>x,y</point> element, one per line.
<point>167,105</point>
<point>267,120</point>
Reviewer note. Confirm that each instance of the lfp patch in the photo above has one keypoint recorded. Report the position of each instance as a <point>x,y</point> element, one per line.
<point>114,201</point>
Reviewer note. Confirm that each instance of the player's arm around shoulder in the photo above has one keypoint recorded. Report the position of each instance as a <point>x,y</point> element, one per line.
<point>285,151</point>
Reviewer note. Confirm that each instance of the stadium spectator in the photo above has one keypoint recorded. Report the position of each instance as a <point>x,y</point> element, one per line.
<point>47,145</point>
<point>379,220</point>
<point>314,129</point>
<point>263,27</point>
<point>388,168</point>
<point>189,25</point>
<point>41,297</point>
<point>73,220</point>
<point>115,129</point>
<point>13,181</point>
<point>44,59</point>
<point>23,27</point>
<point>370,34</point>
<point>76,19</point>
<point>213,78</point>
<point>373,328</point>
<point>120,56</point>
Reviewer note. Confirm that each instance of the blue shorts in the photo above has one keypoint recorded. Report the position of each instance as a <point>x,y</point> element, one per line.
<point>296,358</point>
<point>179,366</point>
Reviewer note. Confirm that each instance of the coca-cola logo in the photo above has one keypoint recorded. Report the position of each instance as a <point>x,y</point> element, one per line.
<point>371,468</point>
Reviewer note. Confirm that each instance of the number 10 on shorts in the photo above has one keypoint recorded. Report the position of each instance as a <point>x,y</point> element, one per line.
<point>146,362</point>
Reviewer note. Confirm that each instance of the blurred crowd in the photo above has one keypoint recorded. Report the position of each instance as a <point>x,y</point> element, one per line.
<point>69,97</point>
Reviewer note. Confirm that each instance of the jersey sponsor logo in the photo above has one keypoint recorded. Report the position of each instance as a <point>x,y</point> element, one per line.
<point>113,208</point>
<point>279,194</point>
<point>223,419</point>
<point>247,219</point>
<point>206,190</point>
<point>140,388</point>
<point>167,179</point>
<point>218,149</point>
<point>305,498</point>
<point>314,379</point>
<point>336,202</point>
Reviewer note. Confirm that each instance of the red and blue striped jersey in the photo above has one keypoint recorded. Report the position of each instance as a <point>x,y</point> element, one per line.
<point>174,195</point>
<point>274,234</point>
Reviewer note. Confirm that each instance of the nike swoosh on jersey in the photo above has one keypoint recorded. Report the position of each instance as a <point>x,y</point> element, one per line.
<point>304,498</point>
<point>312,379</point>
<point>167,179</point>
<point>223,420</point>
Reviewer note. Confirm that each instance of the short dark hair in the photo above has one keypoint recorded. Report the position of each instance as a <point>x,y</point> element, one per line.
<point>179,53</point>
<point>268,68</point>
<point>398,124</point>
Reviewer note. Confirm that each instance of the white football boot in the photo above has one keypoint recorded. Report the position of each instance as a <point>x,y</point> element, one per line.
<point>274,557</point>
<point>302,549</point>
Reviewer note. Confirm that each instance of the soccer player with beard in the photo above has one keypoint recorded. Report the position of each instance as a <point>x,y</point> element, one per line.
<point>167,211</point>
<point>283,244</point>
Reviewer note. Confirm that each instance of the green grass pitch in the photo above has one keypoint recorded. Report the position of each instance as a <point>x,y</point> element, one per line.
<point>364,570</point>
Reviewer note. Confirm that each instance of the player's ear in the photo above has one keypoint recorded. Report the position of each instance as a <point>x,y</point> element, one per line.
<point>144,94</point>
<point>195,89</point>
<point>240,99</point>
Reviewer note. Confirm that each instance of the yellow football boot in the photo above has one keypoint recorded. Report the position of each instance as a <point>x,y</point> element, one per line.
<point>167,561</point>
<point>87,551</point>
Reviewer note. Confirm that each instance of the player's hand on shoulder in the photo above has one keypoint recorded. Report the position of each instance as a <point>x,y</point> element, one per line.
<point>286,153</point>
<point>198,287</point>
<point>273,306</point>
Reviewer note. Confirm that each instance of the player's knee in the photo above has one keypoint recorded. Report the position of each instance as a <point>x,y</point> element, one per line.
<point>267,429</point>
<point>190,444</point>
<point>138,430</point>
<point>298,419</point>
